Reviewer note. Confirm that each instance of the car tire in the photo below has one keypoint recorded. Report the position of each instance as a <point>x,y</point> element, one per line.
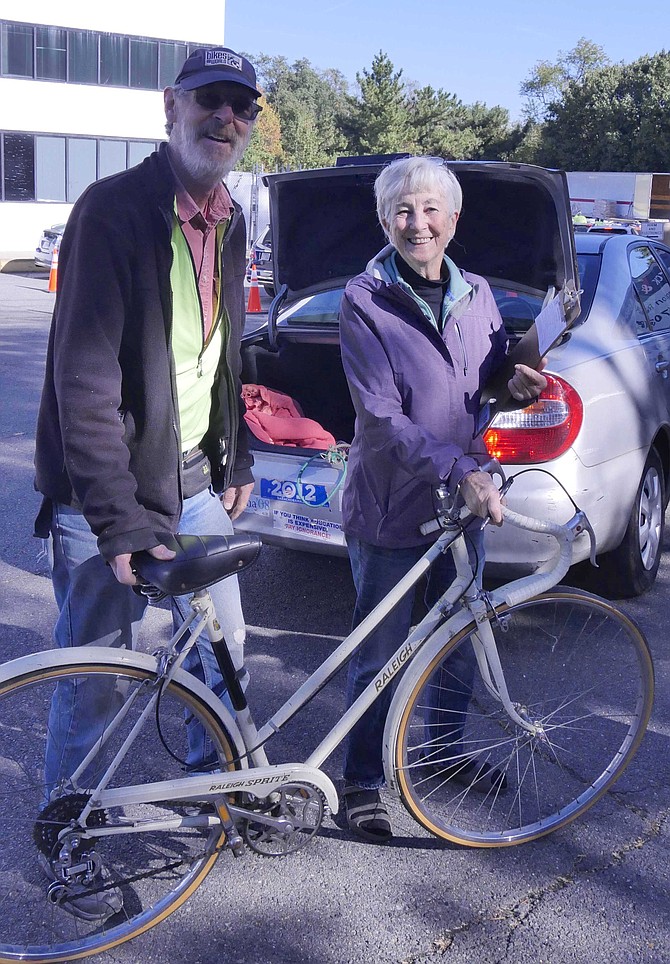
<point>269,290</point>
<point>630,569</point>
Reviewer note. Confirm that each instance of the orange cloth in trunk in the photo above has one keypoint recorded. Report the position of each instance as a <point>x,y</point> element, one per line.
<point>276,418</point>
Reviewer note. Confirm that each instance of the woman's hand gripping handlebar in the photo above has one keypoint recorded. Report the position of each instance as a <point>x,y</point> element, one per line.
<point>471,499</point>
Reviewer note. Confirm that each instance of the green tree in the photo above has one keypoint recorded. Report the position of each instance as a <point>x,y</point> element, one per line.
<point>265,151</point>
<point>616,119</point>
<point>377,122</point>
<point>439,124</point>
<point>548,82</point>
<point>490,130</point>
<point>308,103</point>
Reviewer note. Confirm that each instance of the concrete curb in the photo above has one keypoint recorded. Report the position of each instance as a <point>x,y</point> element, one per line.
<point>18,265</point>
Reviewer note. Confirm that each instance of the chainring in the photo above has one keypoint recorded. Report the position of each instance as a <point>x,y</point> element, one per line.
<point>302,804</point>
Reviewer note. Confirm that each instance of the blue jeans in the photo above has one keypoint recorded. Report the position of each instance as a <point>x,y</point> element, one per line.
<point>95,609</point>
<point>376,571</point>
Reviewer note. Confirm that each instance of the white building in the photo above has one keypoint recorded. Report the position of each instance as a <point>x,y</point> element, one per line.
<point>80,98</point>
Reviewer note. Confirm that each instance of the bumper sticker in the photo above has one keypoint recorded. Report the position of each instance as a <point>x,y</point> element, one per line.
<point>322,529</point>
<point>285,490</point>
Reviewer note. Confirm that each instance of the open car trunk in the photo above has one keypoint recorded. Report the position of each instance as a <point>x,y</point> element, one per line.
<point>515,229</point>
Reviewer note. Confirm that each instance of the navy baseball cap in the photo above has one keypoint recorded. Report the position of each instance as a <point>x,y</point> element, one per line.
<point>212,64</point>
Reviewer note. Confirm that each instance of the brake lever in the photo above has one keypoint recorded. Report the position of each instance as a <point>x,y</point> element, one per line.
<point>504,489</point>
<point>580,523</point>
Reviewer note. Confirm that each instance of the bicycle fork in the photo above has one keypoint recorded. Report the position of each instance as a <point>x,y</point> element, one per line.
<point>490,667</point>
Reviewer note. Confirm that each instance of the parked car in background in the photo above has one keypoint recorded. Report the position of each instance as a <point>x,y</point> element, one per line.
<point>599,436</point>
<point>613,226</point>
<point>44,250</point>
<point>261,256</point>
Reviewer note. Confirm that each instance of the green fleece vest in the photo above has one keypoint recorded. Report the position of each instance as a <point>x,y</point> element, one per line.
<point>195,362</point>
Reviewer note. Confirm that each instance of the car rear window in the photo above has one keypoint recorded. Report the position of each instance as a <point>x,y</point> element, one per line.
<point>519,309</point>
<point>588,266</point>
<point>318,309</point>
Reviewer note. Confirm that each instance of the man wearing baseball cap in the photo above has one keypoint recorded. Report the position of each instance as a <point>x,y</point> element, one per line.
<point>140,433</point>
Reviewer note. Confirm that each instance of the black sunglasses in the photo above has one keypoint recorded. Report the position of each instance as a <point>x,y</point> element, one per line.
<point>243,107</point>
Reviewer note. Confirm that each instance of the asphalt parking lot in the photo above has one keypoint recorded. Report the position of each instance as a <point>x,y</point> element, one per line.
<point>594,892</point>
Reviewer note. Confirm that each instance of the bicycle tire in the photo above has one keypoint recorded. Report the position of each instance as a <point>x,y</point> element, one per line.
<point>578,667</point>
<point>154,871</point>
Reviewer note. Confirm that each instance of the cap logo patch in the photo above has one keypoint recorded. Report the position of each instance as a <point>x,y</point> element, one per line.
<point>222,58</point>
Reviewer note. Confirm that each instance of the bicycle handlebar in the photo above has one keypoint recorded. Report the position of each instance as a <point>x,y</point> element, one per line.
<point>552,571</point>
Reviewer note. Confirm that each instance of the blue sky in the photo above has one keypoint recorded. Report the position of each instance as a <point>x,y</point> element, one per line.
<point>480,51</point>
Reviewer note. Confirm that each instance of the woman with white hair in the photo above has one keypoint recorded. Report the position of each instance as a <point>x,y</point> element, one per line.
<point>419,338</point>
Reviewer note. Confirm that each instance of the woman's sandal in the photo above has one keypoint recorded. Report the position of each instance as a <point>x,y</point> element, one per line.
<point>366,814</point>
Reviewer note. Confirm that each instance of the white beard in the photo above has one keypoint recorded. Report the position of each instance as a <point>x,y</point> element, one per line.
<point>202,164</point>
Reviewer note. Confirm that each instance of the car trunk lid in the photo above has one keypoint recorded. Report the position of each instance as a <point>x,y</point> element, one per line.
<point>515,228</point>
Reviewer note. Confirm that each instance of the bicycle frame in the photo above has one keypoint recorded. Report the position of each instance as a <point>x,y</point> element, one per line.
<point>437,626</point>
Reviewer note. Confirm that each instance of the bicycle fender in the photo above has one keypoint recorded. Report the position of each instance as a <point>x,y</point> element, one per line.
<point>92,655</point>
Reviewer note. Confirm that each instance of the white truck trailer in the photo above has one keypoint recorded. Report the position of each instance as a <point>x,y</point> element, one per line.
<point>635,196</point>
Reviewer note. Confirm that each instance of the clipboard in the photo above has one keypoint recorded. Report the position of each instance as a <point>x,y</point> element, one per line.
<point>544,334</point>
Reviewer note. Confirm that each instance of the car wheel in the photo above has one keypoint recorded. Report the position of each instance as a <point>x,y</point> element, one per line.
<point>630,569</point>
<point>269,290</point>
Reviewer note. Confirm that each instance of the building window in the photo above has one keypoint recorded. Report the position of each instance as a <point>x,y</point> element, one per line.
<point>138,150</point>
<point>81,165</point>
<point>113,60</point>
<point>83,57</point>
<point>17,50</point>
<point>19,167</point>
<point>53,167</point>
<point>172,56</point>
<point>50,53</point>
<point>144,64</point>
<point>111,157</point>
<point>89,57</point>
<point>50,168</point>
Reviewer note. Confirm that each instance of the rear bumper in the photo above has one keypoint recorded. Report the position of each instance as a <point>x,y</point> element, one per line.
<point>310,520</point>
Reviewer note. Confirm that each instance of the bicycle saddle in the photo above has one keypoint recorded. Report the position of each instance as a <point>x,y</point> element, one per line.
<point>200,561</point>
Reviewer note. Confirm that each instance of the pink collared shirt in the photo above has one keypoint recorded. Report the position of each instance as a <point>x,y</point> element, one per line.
<point>199,227</point>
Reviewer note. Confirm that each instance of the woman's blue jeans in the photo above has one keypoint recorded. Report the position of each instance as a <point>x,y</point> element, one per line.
<point>95,609</point>
<point>376,571</point>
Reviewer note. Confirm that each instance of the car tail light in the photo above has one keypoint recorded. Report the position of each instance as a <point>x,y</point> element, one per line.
<point>541,431</point>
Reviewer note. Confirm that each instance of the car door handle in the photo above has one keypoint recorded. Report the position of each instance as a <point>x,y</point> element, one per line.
<point>662,367</point>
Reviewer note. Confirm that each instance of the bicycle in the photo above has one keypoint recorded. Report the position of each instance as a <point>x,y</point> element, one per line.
<point>561,698</point>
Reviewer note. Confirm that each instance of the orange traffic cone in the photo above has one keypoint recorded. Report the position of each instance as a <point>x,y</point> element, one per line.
<point>254,302</point>
<point>53,273</point>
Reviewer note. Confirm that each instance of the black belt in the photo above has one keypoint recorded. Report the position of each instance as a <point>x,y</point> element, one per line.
<point>193,457</point>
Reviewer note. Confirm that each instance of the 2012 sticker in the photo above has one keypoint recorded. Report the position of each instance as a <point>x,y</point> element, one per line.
<point>286,490</point>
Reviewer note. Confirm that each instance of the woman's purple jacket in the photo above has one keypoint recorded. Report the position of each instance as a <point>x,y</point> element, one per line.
<point>416,396</point>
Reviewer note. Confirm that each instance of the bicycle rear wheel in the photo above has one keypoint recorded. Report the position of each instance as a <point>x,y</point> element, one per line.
<point>151,872</point>
<point>577,668</point>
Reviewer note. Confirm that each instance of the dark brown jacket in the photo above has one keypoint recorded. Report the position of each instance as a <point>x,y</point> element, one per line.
<point>108,430</point>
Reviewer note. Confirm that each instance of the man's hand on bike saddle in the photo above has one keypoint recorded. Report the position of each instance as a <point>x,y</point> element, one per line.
<point>481,495</point>
<point>121,566</point>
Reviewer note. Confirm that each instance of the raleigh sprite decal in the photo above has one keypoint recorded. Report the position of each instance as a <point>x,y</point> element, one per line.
<point>222,58</point>
<point>392,668</point>
<point>258,781</point>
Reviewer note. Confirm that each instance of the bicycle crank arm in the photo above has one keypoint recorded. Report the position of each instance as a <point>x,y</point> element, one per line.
<point>257,781</point>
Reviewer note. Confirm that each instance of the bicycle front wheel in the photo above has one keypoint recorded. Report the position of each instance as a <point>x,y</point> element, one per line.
<point>147,874</point>
<point>577,669</point>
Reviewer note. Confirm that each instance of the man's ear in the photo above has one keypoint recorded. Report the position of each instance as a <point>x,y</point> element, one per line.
<point>168,103</point>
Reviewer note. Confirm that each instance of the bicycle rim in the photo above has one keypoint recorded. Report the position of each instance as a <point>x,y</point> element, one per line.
<point>579,670</point>
<point>153,871</point>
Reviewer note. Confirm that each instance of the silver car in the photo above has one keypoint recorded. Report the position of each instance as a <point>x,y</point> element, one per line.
<point>45,249</point>
<point>599,435</point>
